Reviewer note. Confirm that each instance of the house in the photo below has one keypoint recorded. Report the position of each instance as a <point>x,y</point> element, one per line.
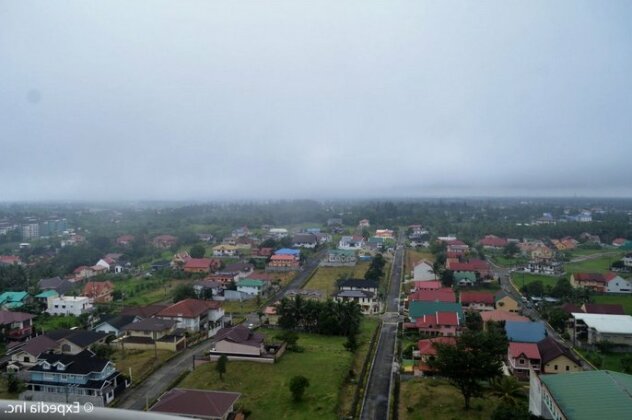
<point>601,283</point>
<point>195,315</point>
<point>444,294</point>
<point>14,300</point>
<point>557,358</point>
<point>278,233</point>
<point>359,284</point>
<point>385,234</point>
<point>59,285</point>
<point>364,223</point>
<point>418,309</point>
<point>164,241</point>
<point>627,260</point>
<point>619,242</point>
<point>423,271</point>
<point>525,332</point>
<point>304,240</point>
<point>207,288</point>
<point>339,258</point>
<point>83,272</point>
<point>224,250</point>
<point>110,263</point>
<point>42,297</point>
<point>597,394</point>
<point>152,334</point>
<point>283,262</point>
<point>113,325</point>
<point>15,325</point>
<point>243,269</point>
<point>69,305</point>
<point>225,278</point>
<point>79,340</point>
<point>522,357</point>
<point>465,278</point>
<point>457,247</point>
<point>199,404</point>
<point>10,260</point>
<point>477,301</point>
<point>602,308</point>
<point>142,312</point>
<point>334,221</point>
<point>81,377</point>
<point>375,243</point>
<point>505,302</point>
<point>179,259</point>
<point>478,266</point>
<point>237,341</point>
<point>125,240</point>
<point>252,287</point>
<point>27,354</point>
<point>437,324</point>
<point>200,265</point>
<point>493,242</point>
<point>351,243</point>
<point>589,329</point>
<point>99,291</point>
<point>368,301</point>
<point>426,285</point>
<point>428,351</point>
<point>542,253</point>
<point>501,316</point>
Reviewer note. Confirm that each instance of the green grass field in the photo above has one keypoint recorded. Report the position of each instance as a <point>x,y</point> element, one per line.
<point>596,265</point>
<point>605,361</point>
<point>508,262</point>
<point>421,399</point>
<point>141,291</point>
<point>264,387</point>
<point>325,277</point>
<point>525,278</point>
<point>624,300</point>
<point>142,362</point>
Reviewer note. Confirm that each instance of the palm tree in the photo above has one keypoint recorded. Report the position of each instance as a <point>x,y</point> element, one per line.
<point>508,389</point>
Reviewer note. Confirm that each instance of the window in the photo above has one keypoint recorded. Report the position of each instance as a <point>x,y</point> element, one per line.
<point>555,367</point>
<point>568,368</point>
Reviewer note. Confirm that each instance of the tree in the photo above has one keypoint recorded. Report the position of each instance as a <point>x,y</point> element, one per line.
<point>351,344</point>
<point>476,357</point>
<point>298,385</point>
<point>508,390</point>
<point>511,249</point>
<point>626,363</point>
<point>197,251</point>
<point>447,278</point>
<point>563,289</point>
<point>557,318</point>
<point>290,337</point>
<point>220,367</point>
<point>184,291</point>
<point>535,288</point>
<point>473,321</point>
<point>511,412</point>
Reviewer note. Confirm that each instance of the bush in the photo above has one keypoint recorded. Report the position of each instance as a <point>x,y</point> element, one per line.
<point>298,385</point>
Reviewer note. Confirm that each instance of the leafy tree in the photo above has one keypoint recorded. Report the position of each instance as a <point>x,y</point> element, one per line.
<point>298,385</point>
<point>290,337</point>
<point>535,288</point>
<point>476,357</point>
<point>473,321</point>
<point>14,385</point>
<point>220,367</point>
<point>557,318</point>
<point>447,278</point>
<point>506,411</point>
<point>511,249</point>
<point>197,251</point>
<point>184,291</point>
<point>351,344</point>
<point>626,363</point>
<point>102,351</point>
<point>563,289</point>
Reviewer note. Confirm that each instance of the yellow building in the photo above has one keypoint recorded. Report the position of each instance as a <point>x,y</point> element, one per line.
<point>505,302</point>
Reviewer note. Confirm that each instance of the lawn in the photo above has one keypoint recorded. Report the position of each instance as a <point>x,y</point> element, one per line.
<point>525,278</point>
<point>413,257</point>
<point>435,399</point>
<point>264,387</point>
<point>325,277</point>
<point>244,307</point>
<point>605,361</point>
<point>142,362</point>
<point>595,265</point>
<point>508,262</point>
<point>624,300</point>
<point>54,322</point>
<point>141,291</point>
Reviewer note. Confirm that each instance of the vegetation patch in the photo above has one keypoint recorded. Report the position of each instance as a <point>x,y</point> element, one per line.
<point>624,300</point>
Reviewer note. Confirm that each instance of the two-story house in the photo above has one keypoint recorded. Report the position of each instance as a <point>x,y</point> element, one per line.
<point>69,305</point>
<point>195,315</point>
<point>150,333</point>
<point>522,357</point>
<point>99,291</point>
<point>15,326</point>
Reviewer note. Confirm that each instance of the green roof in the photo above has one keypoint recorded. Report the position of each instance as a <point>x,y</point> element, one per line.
<point>46,294</point>
<point>250,283</point>
<point>465,275</point>
<point>598,394</point>
<point>418,308</point>
<point>7,298</point>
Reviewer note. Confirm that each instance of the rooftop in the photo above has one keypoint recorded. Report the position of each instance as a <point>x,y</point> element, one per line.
<point>615,324</point>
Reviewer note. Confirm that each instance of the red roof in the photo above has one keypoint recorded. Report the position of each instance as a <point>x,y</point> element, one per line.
<point>456,242</point>
<point>259,276</point>
<point>530,350</point>
<point>196,403</point>
<point>498,315</point>
<point>604,308</point>
<point>283,257</point>
<point>194,263</point>
<point>439,295</point>
<point>125,238</point>
<point>472,265</point>
<point>427,346</point>
<point>591,277</point>
<point>427,285</point>
<point>97,288</point>
<point>9,317</point>
<point>81,268</point>
<point>189,308</point>
<point>9,259</point>
<point>477,297</point>
<point>439,318</point>
<point>493,241</point>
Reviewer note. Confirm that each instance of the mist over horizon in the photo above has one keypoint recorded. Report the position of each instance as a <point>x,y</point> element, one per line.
<point>198,101</point>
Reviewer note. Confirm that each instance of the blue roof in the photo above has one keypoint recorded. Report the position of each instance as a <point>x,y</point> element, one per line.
<point>525,332</point>
<point>8,298</point>
<point>288,251</point>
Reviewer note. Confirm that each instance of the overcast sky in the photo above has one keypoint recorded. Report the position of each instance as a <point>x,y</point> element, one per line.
<point>212,100</point>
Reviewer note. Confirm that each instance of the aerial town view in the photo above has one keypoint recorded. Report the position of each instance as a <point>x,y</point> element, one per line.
<point>316,210</point>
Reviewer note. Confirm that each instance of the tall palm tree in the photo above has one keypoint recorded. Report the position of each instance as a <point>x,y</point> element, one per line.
<point>508,389</point>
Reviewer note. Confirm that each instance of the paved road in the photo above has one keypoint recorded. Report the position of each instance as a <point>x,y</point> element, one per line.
<point>301,277</point>
<point>376,399</point>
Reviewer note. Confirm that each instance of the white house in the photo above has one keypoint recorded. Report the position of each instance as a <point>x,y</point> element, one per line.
<point>351,243</point>
<point>252,286</point>
<point>423,272</point>
<point>69,305</point>
<point>195,315</point>
<point>627,260</point>
<point>618,284</point>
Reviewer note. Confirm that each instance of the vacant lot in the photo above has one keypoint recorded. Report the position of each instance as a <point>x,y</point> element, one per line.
<point>421,399</point>
<point>142,362</point>
<point>145,291</point>
<point>593,265</point>
<point>508,262</point>
<point>605,361</point>
<point>624,300</point>
<point>525,278</point>
<point>325,277</point>
<point>48,323</point>
<point>413,257</point>
<point>264,387</point>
